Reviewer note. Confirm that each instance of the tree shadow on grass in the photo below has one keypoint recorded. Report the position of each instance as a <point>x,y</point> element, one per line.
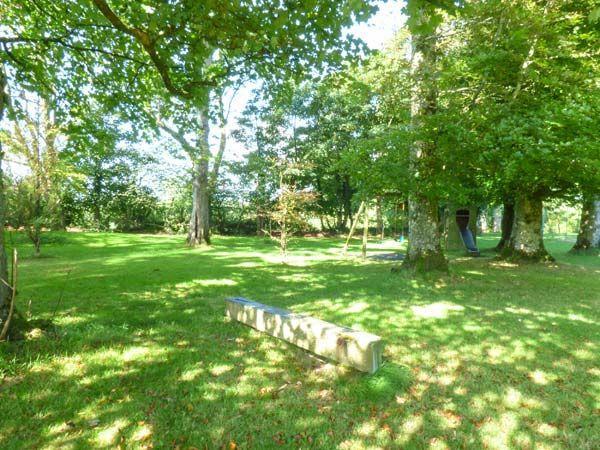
<point>478,359</point>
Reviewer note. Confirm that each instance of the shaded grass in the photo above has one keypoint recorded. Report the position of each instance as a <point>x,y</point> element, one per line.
<point>494,355</point>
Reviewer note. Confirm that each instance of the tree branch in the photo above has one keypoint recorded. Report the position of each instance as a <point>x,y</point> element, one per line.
<point>149,45</point>
<point>175,134</point>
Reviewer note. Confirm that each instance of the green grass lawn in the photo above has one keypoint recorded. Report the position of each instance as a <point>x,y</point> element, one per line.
<point>493,355</point>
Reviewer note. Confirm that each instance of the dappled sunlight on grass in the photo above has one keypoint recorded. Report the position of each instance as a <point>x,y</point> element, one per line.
<point>439,310</point>
<point>492,355</point>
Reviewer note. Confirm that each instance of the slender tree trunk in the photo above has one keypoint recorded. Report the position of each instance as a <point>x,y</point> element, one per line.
<point>379,213</point>
<point>4,290</point>
<point>526,241</point>
<point>261,213</point>
<point>260,224</point>
<point>283,239</point>
<point>96,195</point>
<point>365,233</point>
<point>37,242</point>
<point>424,240</point>
<point>347,215</point>
<point>339,220</point>
<point>199,232</point>
<point>588,238</point>
<point>36,228</point>
<point>506,225</point>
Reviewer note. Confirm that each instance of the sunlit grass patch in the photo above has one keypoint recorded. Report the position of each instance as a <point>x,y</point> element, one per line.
<point>504,356</point>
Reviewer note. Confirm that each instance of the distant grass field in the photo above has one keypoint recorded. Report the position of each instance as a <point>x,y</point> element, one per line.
<point>492,356</point>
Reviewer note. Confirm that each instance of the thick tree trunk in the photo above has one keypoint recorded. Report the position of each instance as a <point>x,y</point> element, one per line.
<point>199,232</point>
<point>424,240</point>
<point>425,252</point>
<point>588,238</point>
<point>4,290</point>
<point>526,242</point>
<point>506,225</point>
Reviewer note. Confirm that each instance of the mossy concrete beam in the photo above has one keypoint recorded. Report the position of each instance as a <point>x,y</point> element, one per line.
<point>357,349</point>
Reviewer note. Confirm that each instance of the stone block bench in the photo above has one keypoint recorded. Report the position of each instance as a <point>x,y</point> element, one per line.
<point>357,349</point>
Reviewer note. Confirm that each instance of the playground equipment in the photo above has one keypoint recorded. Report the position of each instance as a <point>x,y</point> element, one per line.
<point>461,229</point>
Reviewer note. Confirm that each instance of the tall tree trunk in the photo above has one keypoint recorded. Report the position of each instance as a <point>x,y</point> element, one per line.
<point>97,194</point>
<point>199,232</point>
<point>526,241</point>
<point>4,290</point>
<point>588,238</point>
<point>424,240</point>
<point>506,225</point>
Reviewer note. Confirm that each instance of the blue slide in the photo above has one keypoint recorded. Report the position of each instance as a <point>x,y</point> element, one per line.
<point>468,240</point>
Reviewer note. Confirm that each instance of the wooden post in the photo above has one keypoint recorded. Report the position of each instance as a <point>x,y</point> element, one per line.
<point>353,227</point>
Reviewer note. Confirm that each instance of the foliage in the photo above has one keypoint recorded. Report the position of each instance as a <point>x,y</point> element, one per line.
<point>34,139</point>
<point>103,190</point>
<point>532,96</point>
<point>179,205</point>
<point>292,203</point>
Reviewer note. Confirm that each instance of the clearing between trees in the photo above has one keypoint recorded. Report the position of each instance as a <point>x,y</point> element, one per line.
<point>142,356</point>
